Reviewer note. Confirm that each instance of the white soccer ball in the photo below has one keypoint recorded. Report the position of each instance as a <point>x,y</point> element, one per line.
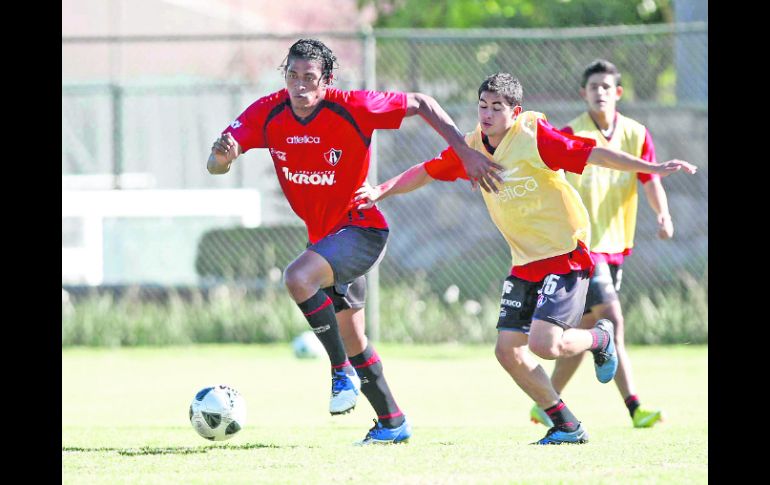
<point>307,346</point>
<point>217,413</point>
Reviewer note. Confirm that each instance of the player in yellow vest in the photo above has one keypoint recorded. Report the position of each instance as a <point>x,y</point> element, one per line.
<point>547,228</point>
<point>611,199</point>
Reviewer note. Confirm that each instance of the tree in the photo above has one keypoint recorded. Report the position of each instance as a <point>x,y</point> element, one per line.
<point>517,13</point>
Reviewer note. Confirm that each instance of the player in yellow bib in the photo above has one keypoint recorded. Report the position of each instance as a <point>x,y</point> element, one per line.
<point>611,199</point>
<point>546,225</point>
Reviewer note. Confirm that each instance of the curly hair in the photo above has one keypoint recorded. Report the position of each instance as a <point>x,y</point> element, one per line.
<point>312,50</point>
<point>602,66</point>
<point>505,85</point>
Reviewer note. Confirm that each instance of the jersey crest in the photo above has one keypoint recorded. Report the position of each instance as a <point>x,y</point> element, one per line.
<point>333,156</point>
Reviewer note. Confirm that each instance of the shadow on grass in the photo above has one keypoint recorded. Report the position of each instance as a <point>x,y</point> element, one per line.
<point>172,450</point>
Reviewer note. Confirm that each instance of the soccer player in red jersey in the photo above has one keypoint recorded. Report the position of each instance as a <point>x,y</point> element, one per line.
<point>546,225</point>
<point>318,138</point>
<point>611,199</point>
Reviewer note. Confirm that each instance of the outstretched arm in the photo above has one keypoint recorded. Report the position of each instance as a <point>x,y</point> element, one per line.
<point>407,181</point>
<point>609,158</point>
<point>223,152</point>
<point>479,168</point>
<point>656,197</point>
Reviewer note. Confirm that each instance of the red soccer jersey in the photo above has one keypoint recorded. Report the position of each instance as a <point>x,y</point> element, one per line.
<point>323,159</point>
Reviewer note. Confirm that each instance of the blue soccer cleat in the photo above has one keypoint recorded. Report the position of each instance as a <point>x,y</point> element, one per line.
<point>606,360</point>
<point>556,436</point>
<point>345,389</point>
<point>384,436</point>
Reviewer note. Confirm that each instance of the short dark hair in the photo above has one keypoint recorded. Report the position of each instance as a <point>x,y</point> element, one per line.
<point>602,66</point>
<point>505,85</point>
<point>312,50</point>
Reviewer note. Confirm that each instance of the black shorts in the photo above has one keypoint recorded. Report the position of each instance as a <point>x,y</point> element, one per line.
<point>352,295</point>
<point>604,285</point>
<point>558,299</point>
<point>351,252</point>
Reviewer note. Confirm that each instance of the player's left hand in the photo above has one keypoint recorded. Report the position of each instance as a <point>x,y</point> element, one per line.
<point>366,196</point>
<point>665,226</point>
<point>671,166</point>
<point>481,170</point>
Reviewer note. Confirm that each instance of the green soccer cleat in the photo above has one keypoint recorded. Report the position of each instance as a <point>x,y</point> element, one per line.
<point>538,416</point>
<point>646,419</point>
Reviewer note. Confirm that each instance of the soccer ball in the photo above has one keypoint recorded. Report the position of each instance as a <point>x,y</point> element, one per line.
<point>307,346</point>
<point>217,413</point>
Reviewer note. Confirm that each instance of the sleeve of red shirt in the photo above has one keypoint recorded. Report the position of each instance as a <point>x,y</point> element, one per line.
<point>648,154</point>
<point>382,110</point>
<point>447,166</point>
<point>561,150</point>
<point>248,128</point>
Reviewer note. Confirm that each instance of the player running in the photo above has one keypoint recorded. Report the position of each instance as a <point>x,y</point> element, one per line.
<point>318,138</point>
<point>546,226</point>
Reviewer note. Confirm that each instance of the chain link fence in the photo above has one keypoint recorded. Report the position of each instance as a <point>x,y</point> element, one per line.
<point>139,114</point>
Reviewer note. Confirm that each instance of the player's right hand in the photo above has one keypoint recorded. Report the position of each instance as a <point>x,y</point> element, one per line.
<point>225,146</point>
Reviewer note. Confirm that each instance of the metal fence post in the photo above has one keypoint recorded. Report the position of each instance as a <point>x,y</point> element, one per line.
<point>117,134</point>
<point>373,277</point>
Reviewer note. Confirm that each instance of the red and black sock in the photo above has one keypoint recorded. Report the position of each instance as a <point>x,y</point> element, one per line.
<point>600,338</point>
<point>319,312</point>
<point>632,402</point>
<point>375,387</point>
<point>562,417</point>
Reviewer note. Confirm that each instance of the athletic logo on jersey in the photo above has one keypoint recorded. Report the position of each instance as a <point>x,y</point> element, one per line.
<point>519,187</point>
<point>541,299</point>
<point>507,287</point>
<point>278,154</point>
<point>299,140</point>
<point>309,178</point>
<point>333,156</point>
<point>236,124</point>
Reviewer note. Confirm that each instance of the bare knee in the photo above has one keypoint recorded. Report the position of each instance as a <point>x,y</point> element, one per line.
<point>545,349</point>
<point>298,280</point>
<point>509,356</point>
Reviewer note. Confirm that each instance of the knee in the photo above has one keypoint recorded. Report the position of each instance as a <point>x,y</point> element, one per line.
<point>296,279</point>
<point>509,356</point>
<point>545,349</point>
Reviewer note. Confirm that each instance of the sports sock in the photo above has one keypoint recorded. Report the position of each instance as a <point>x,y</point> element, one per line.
<point>319,312</point>
<point>632,402</point>
<point>375,387</point>
<point>562,417</point>
<point>600,338</point>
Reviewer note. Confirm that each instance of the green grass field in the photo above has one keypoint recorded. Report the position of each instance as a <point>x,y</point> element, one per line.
<point>124,420</point>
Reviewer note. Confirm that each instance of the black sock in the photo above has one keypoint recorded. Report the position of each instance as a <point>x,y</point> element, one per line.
<point>319,312</point>
<point>375,387</point>
<point>562,417</point>
<point>632,402</point>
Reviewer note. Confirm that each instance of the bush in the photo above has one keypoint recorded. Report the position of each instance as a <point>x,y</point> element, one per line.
<point>224,314</point>
<point>674,315</point>
<point>247,254</point>
<point>409,314</point>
